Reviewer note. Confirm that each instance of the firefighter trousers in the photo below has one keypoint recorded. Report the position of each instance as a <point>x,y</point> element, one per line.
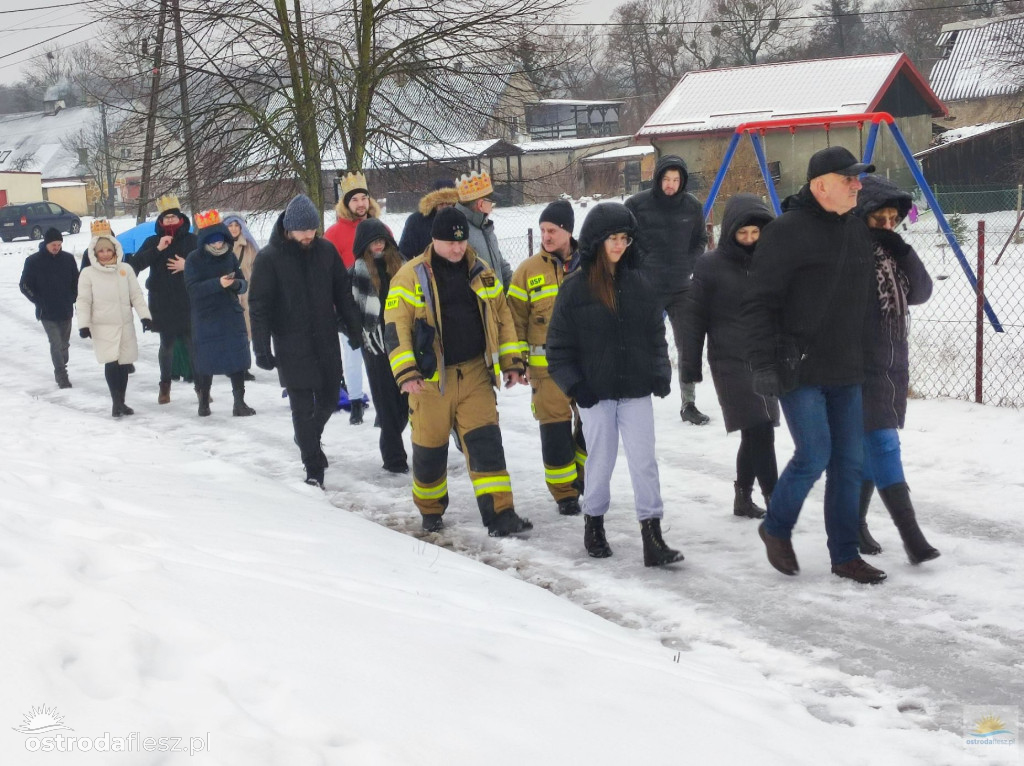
<point>562,447</point>
<point>468,405</point>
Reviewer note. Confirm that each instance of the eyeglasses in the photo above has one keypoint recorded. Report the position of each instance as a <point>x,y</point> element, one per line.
<point>619,239</point>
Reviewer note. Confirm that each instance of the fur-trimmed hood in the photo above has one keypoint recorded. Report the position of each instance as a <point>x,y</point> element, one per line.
<point>430,201</point>
<point>91,252</point>
<point>342,211</point>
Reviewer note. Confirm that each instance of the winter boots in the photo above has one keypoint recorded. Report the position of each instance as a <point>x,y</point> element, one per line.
<point>743,504</point>
<point>119,408</point>
<point>860,571</point>
<point>432,522</point>
<point>204,401</point>
<point>355,417</point>
<point>780,552</point>
<point>867,544</point>
<point>164,397</point>
<point>656,553</point>
<point>594,539</point>
<point>61,376</point>
<point>690,414</point>
<point>569,507</point>
<point>897,501</point>
<point>507,523</point>
<point>240,408</point>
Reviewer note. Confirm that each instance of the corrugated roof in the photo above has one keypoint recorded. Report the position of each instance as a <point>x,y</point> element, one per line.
<point>977,57</point>
<point>625,153</point>
<point>966,133</point>
<point>36,141</point>
<point>568,144</point>
<point>722,99</point>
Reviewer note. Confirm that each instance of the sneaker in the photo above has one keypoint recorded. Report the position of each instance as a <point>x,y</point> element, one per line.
<point>690,414</point>
<point>432,522</point>
<point>780,552</point>
<point>508,523</point>
<point>859,570</point>
<point>569,507</point>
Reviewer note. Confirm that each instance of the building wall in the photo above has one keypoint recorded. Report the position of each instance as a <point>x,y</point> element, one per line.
<point>71,197</point>
<point>22,187</point>
<point>978,111</point>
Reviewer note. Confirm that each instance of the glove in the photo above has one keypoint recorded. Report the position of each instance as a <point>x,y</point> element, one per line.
<point>661,387</point>
<point>373,342</point>
<point>584,397</point>
<point>147,325</point>
<point>84,333</point>
<point>766,382</point>
<point>265,361</point>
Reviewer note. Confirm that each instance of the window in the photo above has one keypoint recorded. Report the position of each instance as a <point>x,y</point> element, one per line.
<point>775,171</point>
<point>55,209</point>
<point>4,155</point>
<point>157,153</point>
<point>83,156</point>
<point>126,153</point>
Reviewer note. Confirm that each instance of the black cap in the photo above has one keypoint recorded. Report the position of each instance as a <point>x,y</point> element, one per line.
<point>450,225</point>
<point>559,213</point>
<point>52,235</point>
<point>836,159</point>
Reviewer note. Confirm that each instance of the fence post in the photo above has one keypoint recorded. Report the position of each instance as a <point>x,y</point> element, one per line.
<point>1016,230</point>
<point>979,348</point>
<point>529,242</point>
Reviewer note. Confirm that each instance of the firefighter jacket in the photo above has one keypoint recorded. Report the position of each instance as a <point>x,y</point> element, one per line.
<point>531,299</point>
<point>413,331</point>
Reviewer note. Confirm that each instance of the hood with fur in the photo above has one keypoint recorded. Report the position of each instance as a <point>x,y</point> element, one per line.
<point>430,201</point>
<point>342,211</point>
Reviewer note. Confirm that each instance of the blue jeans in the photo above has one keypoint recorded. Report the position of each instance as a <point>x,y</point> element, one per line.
<point>883,461</point>
<point>827,426</point>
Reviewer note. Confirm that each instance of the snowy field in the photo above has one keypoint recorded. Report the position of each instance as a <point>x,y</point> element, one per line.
<point>169,576</point>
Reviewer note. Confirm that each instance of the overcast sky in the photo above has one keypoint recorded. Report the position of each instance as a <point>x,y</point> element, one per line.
<point>31,28</point>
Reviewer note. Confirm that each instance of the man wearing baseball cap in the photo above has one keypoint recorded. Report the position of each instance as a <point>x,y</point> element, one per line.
<point>804,313</point>
<point>450,338</point>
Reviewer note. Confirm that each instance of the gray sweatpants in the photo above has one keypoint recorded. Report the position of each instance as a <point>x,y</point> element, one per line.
<point>58,333</point>
<point>675,307</point>
<point>603,423</point>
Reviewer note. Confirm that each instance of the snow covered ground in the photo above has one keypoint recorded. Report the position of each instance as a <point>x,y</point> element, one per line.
<point>166,576</point>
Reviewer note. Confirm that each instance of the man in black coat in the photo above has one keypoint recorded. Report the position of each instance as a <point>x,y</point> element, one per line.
<point>807,304</point>
<point>50,280</point>
<point>164,254</point>
<point>670,227</point>
<point>300,289</point>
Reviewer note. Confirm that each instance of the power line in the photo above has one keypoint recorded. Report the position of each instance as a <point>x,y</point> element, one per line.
<point>49,39</point>
<point>47,7</point>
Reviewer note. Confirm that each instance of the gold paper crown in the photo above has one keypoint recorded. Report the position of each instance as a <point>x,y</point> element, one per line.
<point>101,228</point>
<point>207,218</point>
<point>352,182</point>
<point>474,186</point>
<point>168,202</point>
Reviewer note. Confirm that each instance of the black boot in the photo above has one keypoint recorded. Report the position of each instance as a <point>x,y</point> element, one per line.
<point>204,401</point>
<point>569,507</point>
<point>743,504</point>
<point>507,523</point>
<point>240,408</point>
<point>868,545</point>
<point>61,377</point>
<point>117,403</point>
<point>355,417</point>
<point>656,553</point>
<point>897,501</point>
<point>593,537</point>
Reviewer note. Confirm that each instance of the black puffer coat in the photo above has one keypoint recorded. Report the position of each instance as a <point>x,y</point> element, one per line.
<point>296,298</point>
<point>168,296</point>
<point>886,347</point>
<point>620,354</point>
<point>51,283</point>
<point>670,230</point>
<point>713,306</point>
<point>791,291</point>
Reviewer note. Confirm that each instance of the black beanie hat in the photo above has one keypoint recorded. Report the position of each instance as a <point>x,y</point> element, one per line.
<point>559,213</point>
<point>52,235</point>
<point>450,225</point>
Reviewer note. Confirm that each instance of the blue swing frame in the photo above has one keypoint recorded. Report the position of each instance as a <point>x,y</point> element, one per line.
<point>756,131</point>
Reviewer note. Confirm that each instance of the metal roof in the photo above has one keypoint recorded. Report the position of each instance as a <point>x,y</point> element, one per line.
<point>41,142</point>
<point>976,59</point>
<point>568,144</point>
<point>721,99</point>
<point>625,153</point>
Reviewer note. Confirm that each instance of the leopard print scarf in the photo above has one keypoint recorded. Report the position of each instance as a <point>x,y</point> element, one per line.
<point>892,287</point>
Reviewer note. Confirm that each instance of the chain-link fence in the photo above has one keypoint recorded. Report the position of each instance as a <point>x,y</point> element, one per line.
<point>951,353</point>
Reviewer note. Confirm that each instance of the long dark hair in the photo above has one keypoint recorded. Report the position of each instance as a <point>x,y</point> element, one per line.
<point>601,278</point>
<point>392,263</point>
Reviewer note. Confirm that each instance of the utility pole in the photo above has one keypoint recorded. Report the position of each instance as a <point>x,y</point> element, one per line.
<point>186,118</point>
<point>108,163</point>
<point>154,102</point>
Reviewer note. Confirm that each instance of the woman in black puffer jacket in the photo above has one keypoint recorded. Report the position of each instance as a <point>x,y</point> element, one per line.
<point>901,281</point>
<point>606,349</point>
<point>713,309</point>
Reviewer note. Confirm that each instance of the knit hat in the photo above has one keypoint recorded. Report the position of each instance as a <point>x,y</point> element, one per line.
<point>836,159</point>
<point>450,225</point>
<point>301,214</point>
<point>52,235</point>
<point>352,184</point>
<point>559,213</point>
<point>474,186</point>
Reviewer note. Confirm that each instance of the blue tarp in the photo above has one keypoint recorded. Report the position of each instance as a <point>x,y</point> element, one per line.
<point>132,239</point>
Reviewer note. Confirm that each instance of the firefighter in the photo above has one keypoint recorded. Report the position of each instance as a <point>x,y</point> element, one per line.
<point>531,298</point>
<point>450,337</point>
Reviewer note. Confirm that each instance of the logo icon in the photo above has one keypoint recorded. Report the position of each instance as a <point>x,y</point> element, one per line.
<point>992,727</point>
<point>42,720</point>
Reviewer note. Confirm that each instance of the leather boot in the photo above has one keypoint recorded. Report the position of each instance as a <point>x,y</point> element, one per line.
<point>115,408</point>
<point>355,417</point>
<point>743,504</point>
<point>164,397</point>
<point>868,545</point>
<point>897,501</point>
<point>241,409</point>
<point>204,401</point>
<point>594,539</point>
<point>656,553</point>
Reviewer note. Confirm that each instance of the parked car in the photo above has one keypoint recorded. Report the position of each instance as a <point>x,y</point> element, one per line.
<point>31,219</point>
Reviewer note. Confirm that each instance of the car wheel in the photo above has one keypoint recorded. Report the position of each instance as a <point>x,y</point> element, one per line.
<point>7,239</point>
<point>37,233</point>
<point>76,226</point>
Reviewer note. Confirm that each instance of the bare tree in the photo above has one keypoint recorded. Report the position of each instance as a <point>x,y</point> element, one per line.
<point>752,30</point>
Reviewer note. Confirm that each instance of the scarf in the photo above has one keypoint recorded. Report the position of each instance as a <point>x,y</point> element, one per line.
<point>892,287</point>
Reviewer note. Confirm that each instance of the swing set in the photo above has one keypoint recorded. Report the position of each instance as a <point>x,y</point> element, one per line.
<point>756,132</point>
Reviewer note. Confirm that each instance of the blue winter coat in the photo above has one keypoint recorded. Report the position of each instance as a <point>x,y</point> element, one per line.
<point>219,337</point>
